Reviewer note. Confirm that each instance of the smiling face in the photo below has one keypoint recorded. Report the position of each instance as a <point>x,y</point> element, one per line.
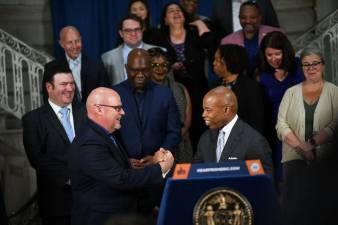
<point>274,57</point>
<point>313,68</point>
<point>174,15</point>
<point>215,113</point>
<point>249,19</point>
<point>61,90</point>
<point>131,33</point>
<point>159,69</point>
<point>70,41</point>
<point>113,115</point>
<point>139,9</point>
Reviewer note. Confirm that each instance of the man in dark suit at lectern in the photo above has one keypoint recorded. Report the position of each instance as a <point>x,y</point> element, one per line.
<point>229,138</point>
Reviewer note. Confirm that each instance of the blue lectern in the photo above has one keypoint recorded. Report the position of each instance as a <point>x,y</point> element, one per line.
<point>195,195</point>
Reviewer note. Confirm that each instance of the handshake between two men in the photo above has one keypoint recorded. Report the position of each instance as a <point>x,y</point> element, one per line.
<point>162,156</point>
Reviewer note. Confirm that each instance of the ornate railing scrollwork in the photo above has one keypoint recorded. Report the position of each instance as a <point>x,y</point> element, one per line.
<point>325,36</point>
<point>21,69</point>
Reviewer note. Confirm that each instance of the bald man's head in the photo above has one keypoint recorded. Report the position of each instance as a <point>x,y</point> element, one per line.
<point>104,107</point>
<point>138,68</point>
<point>219,107</point>
<point>70,41</point>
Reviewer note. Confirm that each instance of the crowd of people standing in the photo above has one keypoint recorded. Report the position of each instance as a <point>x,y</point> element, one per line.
<point>110,130</point>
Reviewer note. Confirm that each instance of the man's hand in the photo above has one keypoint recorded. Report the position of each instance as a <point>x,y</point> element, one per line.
<point>147,160</point>
<point>136,164</point>
<point>167,162</point>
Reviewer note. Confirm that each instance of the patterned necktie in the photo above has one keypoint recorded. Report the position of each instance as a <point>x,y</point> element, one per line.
<point>220,145</point>
<point>66,123</point>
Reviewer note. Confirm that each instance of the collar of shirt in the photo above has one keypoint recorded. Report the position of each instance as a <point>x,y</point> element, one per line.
<point>227,128</point>
<point>76,61</point>
<point>57,108</point>
<point>126,49</point>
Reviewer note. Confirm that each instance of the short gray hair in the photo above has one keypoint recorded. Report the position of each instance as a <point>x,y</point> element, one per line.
<point>312,50</point>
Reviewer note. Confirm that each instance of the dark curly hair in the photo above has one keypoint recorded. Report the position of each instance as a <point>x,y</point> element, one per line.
<point>235,58</point>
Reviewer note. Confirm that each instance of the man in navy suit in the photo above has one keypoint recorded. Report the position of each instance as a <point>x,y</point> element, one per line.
<point>88,73</point>
<point>151,121</point>
<point>46,143</point>
<point>229,138</point>
<point>103,181</point>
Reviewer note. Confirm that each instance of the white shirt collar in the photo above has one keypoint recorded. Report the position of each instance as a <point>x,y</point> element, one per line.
<point>227,128</point>
<point>77,59</point>
<point>57,108</point>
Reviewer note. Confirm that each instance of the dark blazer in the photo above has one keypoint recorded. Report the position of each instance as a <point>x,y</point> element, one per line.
<point>93,75</point>
<point>222,16</point>
<point>160,125</point>
<point>103,182</point>
<point>250,101</point>
<point>243,143</point>
<point>46,145</point>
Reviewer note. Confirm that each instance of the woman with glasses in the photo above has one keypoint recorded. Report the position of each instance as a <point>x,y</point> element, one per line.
<point>307,126</point>
<point>279,69</point>
<point>161,73</point>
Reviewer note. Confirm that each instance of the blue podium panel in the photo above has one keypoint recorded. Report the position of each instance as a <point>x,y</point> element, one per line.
<point>182,196</point>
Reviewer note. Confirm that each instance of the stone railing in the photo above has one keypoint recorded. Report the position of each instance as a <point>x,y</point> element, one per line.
<point>325,36</point>
<point>21,69</point>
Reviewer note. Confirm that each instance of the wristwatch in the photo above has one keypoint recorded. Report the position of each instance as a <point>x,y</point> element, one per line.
<point>313,142</point>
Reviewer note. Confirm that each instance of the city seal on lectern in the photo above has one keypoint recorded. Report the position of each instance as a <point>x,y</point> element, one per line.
<point>223,206</point>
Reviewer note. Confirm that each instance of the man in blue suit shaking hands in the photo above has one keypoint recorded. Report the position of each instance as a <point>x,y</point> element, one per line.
<point>102,180</point>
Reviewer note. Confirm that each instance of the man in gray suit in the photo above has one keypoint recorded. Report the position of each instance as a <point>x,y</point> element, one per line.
<point>131,31</point>
<point>229,138</point>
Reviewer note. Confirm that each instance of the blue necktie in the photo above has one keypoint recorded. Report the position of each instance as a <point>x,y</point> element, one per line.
<point>66,123</point>
<point>220,145</point>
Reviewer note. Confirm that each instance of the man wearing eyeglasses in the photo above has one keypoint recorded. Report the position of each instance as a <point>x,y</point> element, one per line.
<point>151,120</point>
<point>131,30</point>
<point>103,182</point>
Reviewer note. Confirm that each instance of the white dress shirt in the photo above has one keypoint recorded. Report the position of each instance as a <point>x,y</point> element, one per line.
<point>227,130</point>
<point>57,108</point>
<point>75,67</point>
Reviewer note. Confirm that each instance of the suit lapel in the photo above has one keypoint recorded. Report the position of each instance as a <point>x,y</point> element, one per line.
<point>120,64</point>
<point>84,65</point>
<point>130,102</point>
<point>55,122</point>
<point>78,117</point>
<point>233,138</point>
<point>148,100</point>
<point>213,144</point>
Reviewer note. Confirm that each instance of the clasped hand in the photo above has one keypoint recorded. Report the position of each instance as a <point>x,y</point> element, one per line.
<point>162,156</point>
<point>306,150</point>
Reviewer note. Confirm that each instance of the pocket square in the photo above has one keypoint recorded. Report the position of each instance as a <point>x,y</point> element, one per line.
<point>232,158</point>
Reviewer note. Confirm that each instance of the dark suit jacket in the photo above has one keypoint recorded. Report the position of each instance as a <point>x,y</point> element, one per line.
<point>250,101</point>
<point>46,144</point>
<point>93,75</point>
<point>160,126</point>
<point>103,182</point>
<point>243,143</point>
<point>222,16</point>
